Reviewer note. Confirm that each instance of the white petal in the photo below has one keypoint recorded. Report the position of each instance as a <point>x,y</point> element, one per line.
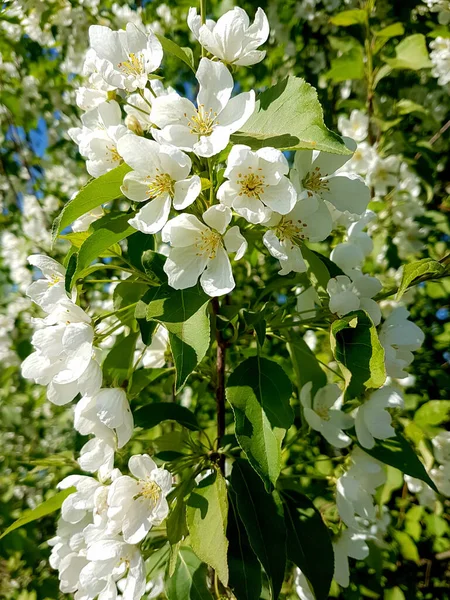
<point>216,85</point>
<point>141,466</point>
<point>139,153</point>
<point>348,192</point>
<point>218,217</point>
<point>237,112</point>
<point>153,216</point>
<point>234,241</point>
<point>218,279</point>
<point>186,192</point>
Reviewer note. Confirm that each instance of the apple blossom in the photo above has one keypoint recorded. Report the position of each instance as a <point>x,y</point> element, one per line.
<point>350,544</point>
<point>257,184</point>
<point>160,175</point>
<point>356,127</point>
<point>347,295</point>
<point>204,129</point>
<point>372,420</point>
<point>399,338</point>
<point>199,250</point>
<point>323,415</point>
<point>232,38</point>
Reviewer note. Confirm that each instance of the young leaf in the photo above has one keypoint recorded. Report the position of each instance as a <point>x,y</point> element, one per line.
<point>356,347</point>
<point>98,191</point>
<point>184,54</point>
<point>243,565</point>
<point>259,392</point>
<point>308,542</point>
<point>411,53</point>
<point>397,453</point>
<point>263,519</point>
<point>108,230</point>
<point>416,270</point>
<point>188,582</point>
<point>206,516</point>
<point>153,414</point>
<point>349,65</point>
<point>349,17</point>
<point>289,116</point>
<point>46,508</point>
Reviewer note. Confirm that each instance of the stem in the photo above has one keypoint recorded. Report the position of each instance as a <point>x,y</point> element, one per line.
<point>203,18</point>
<point>220,386</point>
<point>369,73</point>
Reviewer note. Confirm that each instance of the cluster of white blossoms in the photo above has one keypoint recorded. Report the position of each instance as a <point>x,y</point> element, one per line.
<point>96,547</point>
<point>440,57</point>
<point>442,8</point>
<point>439,473</point>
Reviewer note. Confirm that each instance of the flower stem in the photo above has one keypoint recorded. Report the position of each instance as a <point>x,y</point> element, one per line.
<point>220,385</point>
<point>203,18</point>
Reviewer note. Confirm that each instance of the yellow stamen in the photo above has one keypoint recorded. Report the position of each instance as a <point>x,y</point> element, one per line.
<point>133,66</point>
<point>314,182</point>
<point>252,185</point>
<point>160,184</point>
<point>203,122</point>
<point>207,243</point>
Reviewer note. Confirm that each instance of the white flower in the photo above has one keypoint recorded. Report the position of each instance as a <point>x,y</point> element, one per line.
<point>201,251</point>
<point>347,295</point>
<point>204,129</point>
<point>441,478</point>
<point>232,38</point>
<point>383,174</point>
<point>160,175</point>
<point>314,175</point>
<point>51,289</point>
<point>350,255</point>
<point>399,338</point>
<point>112,560</point>
<point>125,57</point>
<point>306,304</point>
<point>349,544</point>
<point>440,57</point>
<point>302,586</point>
<point>355,488</point>
<point>425,495</point>
<point>361,160</point>
<point>257,184</point>
<point>310,220</point>
<point>323,414</point>
<point>77,505</point>
<point>373,420</point>
<point>155,354</point>
<point>356,127</point>
<point>139,502</point>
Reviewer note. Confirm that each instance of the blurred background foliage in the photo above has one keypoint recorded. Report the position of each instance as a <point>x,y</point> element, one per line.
<point>42,45</point>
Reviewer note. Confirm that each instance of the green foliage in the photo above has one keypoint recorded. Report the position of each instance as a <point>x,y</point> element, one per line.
<point>411,53</point>
<point>153,414</point>
<point>188,581</point>
<point>416,271</point>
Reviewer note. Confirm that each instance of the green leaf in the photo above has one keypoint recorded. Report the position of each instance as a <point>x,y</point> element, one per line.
<point>108,230</point>
<point>119,359</point>
<point>356,347</point>
<point>46,508</point>
<point>153,264</point>
<point>416,270</point>
<point>406,107</point>
<point>317,267</point>
<point>138,244</point>
<point>382,36</point>
<point>308,542</point>
<point>153,414</point>
<point>70,272</point>
<point>128,293</point>
<point>394,593</point>
<point>206,517</point>
<point>305,364</point>
<point>176,521</point>
<point>259,392</point>
<point>189,579</point>
<point>142,378</point>
<point>184,54</point>
<point>98,191</point>
<point>244,567</point>
<point>289,116</point>
<point>433,413</point>
<point>189,343</point>
<point>262,515</point>
<point>397,453</point>
<point>349,65</point>
<point>167,305</point>
<point>349,17</point>
<point>408,549</point>
<point>411,53</point>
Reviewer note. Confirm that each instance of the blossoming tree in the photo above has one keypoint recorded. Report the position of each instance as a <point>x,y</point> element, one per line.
<point>231,232</point>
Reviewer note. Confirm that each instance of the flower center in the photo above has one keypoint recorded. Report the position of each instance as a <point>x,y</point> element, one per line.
<point>323,412</point>
<point>290,230</point>
<point>133,66</point>
<point>203,122</point>
<point>313,182</point>
<point>252,184</point>
<point>149,490</point>
<point>114,156</point>
<point>160,184</point>
<point>54,279</point>
<point>208,243</point>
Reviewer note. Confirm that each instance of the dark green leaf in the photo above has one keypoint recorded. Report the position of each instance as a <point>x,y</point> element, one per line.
<point>143,378</point>
<point>244,567</point>
<point>308,542</point>
<point>397,453</point>
<point>153,414</point>
<point>263,519</point>
<point>119,359</point>
<point>138,244</point>
<point>259,392</point>
<point>305,364</point>
<point>289,116</point>
<point>70,271</point>
<point>356,347</point>
<point>128,293</point>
